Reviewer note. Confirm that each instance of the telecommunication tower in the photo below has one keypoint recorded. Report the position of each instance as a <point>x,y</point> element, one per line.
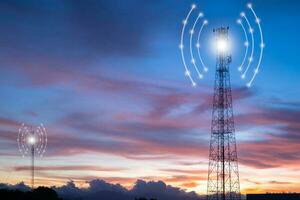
<point>223,174</point>
<point>32,142</point>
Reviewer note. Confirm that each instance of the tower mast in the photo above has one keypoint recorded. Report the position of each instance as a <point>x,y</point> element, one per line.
<point>223,175</point>
<point>32,166</point>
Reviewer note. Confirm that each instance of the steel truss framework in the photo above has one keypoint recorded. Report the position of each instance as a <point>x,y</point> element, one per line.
<point>223,174</point>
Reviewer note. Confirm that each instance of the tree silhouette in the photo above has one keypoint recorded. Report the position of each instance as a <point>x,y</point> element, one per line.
<point>43,193</point>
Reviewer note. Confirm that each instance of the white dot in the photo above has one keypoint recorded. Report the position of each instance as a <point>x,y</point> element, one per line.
<point>246,44</point>
<point>243,76</point>
<point>248,85</point>
<point>240,68</point>
<point>242,14</point>
<point>257,20</point>
<point>191,32</point>
<point>187,73</point>
<point>249,5</point>
<point>193,6</point>
<point>262,45</point>
<point>201,14</point>
<point>194,84</point>
<point>205,22</point>
<point>198,45</point>
<point>239,21</point>
<point>251,30</point>
<point>205,69</point>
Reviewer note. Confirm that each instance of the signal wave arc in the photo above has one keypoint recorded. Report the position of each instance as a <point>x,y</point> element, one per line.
<point>261,45</point>
<point>252,45</point>
<point>187,72</point>
<point>239,21</point>
<point>205,22</point>
<point>193,61</point>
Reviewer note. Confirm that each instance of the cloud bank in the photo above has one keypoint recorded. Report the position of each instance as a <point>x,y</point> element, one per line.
<point>99,189</point>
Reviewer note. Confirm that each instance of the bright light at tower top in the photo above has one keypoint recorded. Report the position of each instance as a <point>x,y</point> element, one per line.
<point>222,45</point>
<point>31,140</point>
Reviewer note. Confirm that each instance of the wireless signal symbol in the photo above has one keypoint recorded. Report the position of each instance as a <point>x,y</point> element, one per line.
<point>29,138</point>
<point>192,45</point>
<point>193,62</point>
<point>248,59</point>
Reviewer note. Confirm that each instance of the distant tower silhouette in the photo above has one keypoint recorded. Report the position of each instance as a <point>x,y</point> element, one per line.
<point>223,175</point>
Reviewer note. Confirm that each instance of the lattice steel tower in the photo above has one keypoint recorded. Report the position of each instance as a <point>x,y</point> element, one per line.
<point>223,175</point>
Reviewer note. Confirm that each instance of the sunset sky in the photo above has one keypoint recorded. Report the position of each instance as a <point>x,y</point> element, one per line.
<point>106,79</point>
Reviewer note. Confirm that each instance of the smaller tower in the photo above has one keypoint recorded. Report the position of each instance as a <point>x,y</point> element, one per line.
<point>32,142</point>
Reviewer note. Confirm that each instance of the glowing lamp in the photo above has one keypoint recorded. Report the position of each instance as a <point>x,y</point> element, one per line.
<point>31,140</point>
<point>222,45</point>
